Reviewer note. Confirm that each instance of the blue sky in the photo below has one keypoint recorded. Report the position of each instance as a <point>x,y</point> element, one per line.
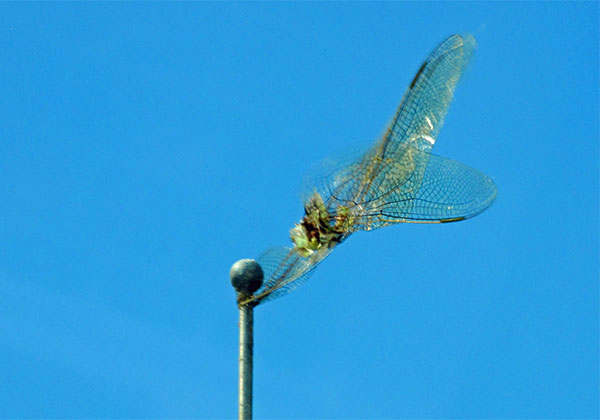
<point>145,147</point>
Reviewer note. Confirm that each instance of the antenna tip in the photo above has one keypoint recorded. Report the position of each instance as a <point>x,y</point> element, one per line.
<point>246,276</point>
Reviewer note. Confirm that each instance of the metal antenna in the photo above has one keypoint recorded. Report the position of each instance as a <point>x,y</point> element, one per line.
<point>246,278</point>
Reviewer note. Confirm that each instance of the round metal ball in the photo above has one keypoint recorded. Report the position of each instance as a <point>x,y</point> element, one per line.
<point>246,276</point>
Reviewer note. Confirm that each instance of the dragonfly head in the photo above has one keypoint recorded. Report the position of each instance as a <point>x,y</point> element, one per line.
<point>304,242</point>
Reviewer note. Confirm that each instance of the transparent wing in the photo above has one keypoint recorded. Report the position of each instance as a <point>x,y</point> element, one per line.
<point>284,270</point>
<point>409,188</point>
<point>421,113</point>
<point>403,152</point>
<point>449,192</point>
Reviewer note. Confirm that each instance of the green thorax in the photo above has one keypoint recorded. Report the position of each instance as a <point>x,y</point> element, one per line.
<point>319,229</point>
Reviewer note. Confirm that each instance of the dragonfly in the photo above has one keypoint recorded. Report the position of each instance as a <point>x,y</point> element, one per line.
<point>397,180</point>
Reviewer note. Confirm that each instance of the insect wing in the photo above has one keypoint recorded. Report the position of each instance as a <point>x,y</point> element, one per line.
<point>400,158</point>
<point>448,191</point>
<point>421,113</point>
<point>284,270</point>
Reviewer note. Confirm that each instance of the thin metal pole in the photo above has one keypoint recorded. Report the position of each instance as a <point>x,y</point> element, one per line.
<point>246,278</point>
<point>246,345</point>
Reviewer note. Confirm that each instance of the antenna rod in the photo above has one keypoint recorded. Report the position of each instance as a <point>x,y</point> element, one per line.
<point>246,347</point>
<point>246,278</point>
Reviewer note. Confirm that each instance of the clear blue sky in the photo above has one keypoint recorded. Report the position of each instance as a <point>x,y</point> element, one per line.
<point>146,147</point>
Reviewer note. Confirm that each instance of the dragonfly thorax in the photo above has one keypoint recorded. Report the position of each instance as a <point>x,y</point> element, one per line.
<point>317,229</point>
